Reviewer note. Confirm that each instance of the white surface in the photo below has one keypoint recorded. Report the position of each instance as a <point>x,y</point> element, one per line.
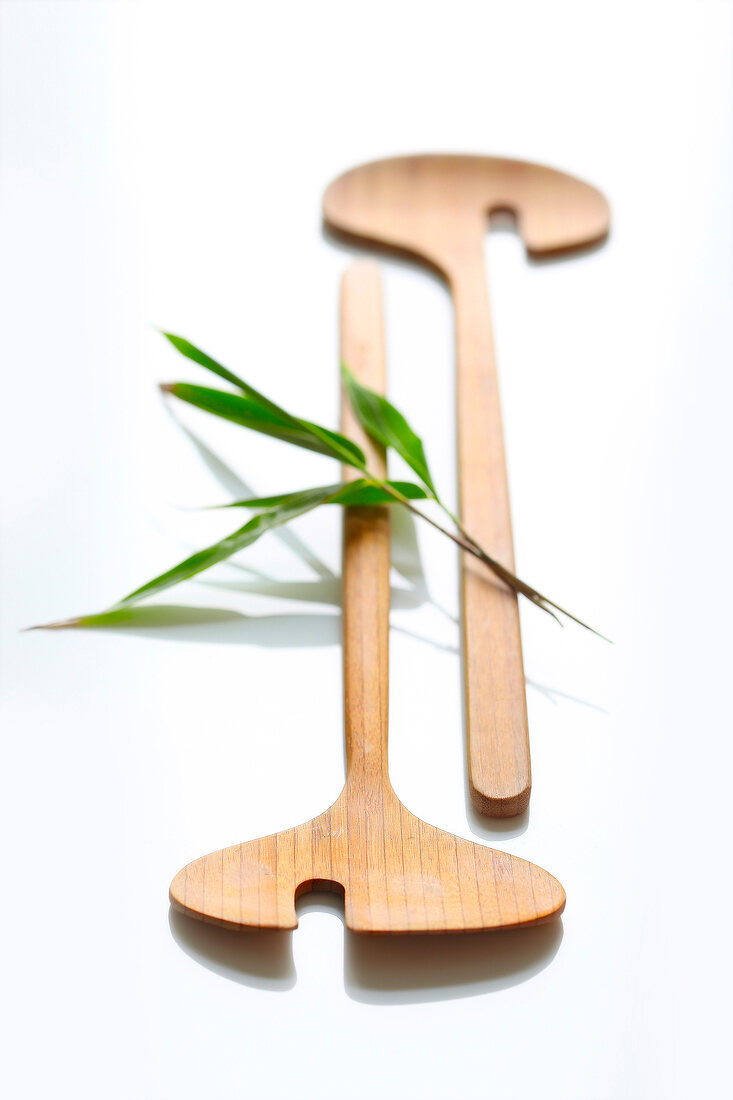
<point>163,166</point>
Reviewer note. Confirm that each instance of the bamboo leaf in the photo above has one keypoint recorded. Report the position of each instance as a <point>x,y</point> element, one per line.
<point>149,616</point>
<point>297,505</point>
<point>330,443</point>
<point>242,410</point>
<point>185,347</point>
<point>253,410</point>
<point>360,492</point>
<point>383,422</point>
<point>260,418</point>
<point>364,492</point>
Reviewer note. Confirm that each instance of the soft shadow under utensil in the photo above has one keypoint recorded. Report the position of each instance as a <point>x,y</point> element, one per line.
<point>382,970</point>
<point>263,960</point>
<point>415,969</point>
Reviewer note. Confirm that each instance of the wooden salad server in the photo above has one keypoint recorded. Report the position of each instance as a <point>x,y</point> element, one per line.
<point>436,208</point>
<point>397,873</point>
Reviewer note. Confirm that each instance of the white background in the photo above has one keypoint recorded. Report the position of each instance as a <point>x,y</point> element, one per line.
<point>163,165</point>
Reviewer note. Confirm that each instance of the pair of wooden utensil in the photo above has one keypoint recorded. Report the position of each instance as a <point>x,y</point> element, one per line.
<point>397,873</point>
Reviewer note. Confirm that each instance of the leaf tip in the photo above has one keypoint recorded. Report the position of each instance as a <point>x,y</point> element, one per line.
<point>180,343</point>
<point>62,624</point>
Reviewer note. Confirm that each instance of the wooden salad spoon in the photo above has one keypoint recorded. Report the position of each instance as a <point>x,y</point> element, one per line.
<point>397,873</point>
<point>436,208</point>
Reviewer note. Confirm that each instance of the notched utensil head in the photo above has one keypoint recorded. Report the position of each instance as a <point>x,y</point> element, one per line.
<point>433,206</point>
<point>397,873</point>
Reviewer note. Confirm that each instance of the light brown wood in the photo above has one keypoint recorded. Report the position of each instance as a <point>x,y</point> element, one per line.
<point>397,873</point>
<point>436,208</point>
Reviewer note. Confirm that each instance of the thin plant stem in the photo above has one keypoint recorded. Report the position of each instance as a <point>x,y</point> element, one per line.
<point>469,545</point>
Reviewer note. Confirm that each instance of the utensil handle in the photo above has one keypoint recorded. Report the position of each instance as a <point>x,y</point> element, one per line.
<point>366,543</point>
<point>496,708</point>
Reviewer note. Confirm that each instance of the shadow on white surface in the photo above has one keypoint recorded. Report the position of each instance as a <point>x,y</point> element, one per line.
<point>382,970</point>
<point>489,827</point>
<point>324,591</point>
<point>187,623</point>
<point>263,960</point>
<point>239,489</point>
<point>220,626</point>
<point>173,623</point>
<point>405,548</point>
<point>443,968</point>
<point>554,695</point>
<point>508,827</point>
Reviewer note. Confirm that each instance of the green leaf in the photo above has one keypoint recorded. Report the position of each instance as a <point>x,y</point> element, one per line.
<point>359,492</point>
<point>197,356</point>
<point>364,492</point>
<point>297,505</point>
<point>260,418</point>
<point>330,443</point>
<point>337,445</point>
<point>282,499</point>
<point>149,616</point>
<point>387,425</point>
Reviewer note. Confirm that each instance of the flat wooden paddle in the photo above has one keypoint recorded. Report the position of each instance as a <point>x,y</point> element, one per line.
<point>398,874</point>
<point>436,208</point>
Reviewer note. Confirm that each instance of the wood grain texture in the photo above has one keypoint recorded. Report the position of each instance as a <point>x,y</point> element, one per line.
<point>397,873</point>
<point>436,208</point>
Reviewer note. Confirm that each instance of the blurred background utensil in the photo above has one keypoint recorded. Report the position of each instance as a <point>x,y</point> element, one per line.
<point>436,208</point>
